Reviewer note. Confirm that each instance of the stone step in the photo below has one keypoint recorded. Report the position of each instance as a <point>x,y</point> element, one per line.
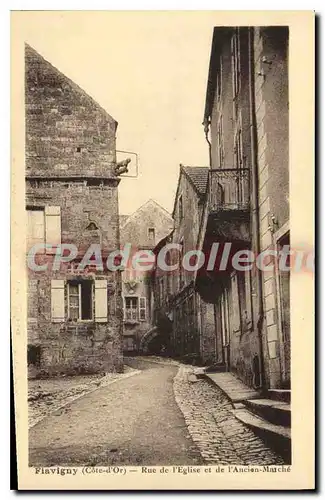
<point>234,388</point>
<point>276,437</point>
<point>275,412</point>
<point>280,395</point>
<point>220,367</point>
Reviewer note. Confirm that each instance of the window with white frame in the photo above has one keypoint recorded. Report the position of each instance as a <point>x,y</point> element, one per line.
<point>135,308</point>
<point>80,300</point>
<point>86,300</point>
<point>131,311</point>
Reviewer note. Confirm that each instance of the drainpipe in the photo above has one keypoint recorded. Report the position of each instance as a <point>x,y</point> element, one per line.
<point>255,204</point>
<point>206,125</point>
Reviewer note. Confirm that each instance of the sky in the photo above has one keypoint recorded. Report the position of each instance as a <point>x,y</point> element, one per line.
<point>149,71</point>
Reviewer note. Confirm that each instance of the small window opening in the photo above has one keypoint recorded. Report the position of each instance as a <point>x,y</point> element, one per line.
<point>92,227</point>
<point>151,234</point>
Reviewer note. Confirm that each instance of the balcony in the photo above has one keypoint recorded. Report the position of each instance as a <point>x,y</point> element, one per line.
<point>226,219</point>
<point>228,203</point>
<point>228,190</point>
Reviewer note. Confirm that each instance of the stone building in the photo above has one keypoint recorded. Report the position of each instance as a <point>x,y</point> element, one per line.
<point>178,307</point>
<point>142,230</point>
<point>74,315</point>
<point>246,126</point>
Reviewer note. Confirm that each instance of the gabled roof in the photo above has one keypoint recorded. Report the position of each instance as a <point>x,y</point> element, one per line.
<point>147,204</point>
<point>199,178</point>
<point>32,54</point>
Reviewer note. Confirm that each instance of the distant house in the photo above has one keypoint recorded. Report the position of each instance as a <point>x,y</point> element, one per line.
<point>142,230</point>
<point>74,318</point>
<point>193,335</point>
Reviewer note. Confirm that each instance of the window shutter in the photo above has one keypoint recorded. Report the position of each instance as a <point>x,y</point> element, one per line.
<point>235,304</point>
<point>101,301</point>
<point>35,227</point>
<point>53,226</point>
<point>57,301</point>
<point>142,309</point>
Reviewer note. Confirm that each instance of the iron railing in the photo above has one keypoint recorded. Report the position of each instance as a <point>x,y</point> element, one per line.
<point>229,189</point>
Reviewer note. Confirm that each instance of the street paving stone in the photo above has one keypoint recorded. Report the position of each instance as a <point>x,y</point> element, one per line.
<point>219,436</point>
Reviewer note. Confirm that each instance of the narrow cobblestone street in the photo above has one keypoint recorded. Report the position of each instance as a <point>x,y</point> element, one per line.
<point>220,437</point>
<point>162,415</point>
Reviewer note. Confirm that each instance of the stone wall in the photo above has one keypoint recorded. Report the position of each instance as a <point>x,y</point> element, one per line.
<point>272,115</point>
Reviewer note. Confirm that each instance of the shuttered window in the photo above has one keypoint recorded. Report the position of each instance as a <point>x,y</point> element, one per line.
<point>52,227</point>
<point>101,309</point>
<point>142,309</point>
<point>57,301</point>
<point>80,299</point>
<point>131,308</point>
<point>35,227</point>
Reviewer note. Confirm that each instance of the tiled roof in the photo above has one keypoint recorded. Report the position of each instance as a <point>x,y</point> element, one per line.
<point>198,176</point>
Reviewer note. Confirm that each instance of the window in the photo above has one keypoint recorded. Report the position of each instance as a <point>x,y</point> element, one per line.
<point>241,185</point>
<point>235,63</point>
<point>35,227</point>
<point>151,235</point>
<point>131,309</point>
<point>180,207</point>
<point>221,150</point>
<point>80,294</point>
<point>135,308</point>
<point>238,147</point>
<point>92,227</point>
<point>44,226</point>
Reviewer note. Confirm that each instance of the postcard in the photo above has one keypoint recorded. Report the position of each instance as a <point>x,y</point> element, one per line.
<point>163,249</point>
